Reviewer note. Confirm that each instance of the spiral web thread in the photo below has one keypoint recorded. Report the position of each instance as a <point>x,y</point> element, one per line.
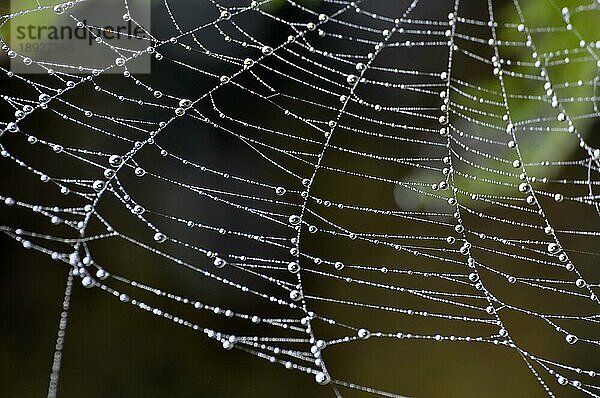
<point>473,133</point>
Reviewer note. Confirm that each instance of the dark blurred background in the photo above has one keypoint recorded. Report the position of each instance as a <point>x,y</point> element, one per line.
<point>116,350</point>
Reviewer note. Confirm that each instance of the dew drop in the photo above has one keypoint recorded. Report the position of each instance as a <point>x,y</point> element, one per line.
<point>219,262</point>
<point>293,267</point>
<point>88,282</point>
<point>322,379</point>
<point>295,295</point>
<point>159,237</point>
<point>352,79</point>
<point>115,160</point>
<point>363,334</point>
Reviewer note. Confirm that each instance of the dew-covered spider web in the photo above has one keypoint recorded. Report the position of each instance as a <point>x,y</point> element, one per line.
<point>309,181</point>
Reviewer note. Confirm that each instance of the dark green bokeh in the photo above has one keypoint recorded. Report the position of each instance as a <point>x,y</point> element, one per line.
<point>117,351</point>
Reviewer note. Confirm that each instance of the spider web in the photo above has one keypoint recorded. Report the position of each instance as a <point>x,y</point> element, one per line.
<point>416,173</point>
